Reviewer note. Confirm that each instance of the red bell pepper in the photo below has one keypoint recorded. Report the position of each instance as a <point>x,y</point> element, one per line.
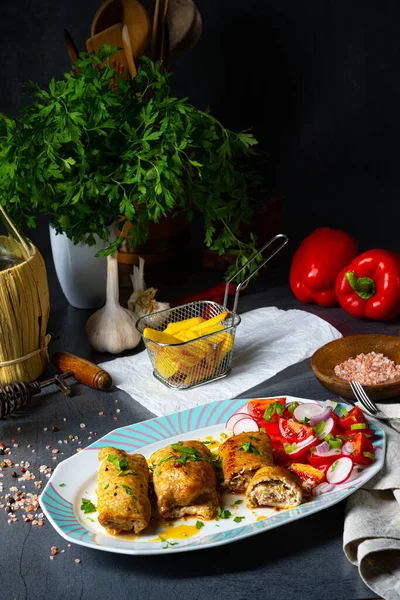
<point>317,262</point>
<point>369,287</point>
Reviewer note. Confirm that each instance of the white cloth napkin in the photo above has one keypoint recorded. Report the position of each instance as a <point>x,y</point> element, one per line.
<point>267,341</point>
<point>372,524</point>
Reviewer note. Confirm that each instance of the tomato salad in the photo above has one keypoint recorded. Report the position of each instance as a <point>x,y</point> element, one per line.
<point>324,444</point>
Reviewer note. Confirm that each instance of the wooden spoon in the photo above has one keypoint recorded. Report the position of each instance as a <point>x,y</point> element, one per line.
<point>128,51</point>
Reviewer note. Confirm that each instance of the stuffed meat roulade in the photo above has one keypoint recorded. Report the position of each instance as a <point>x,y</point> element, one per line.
<point>241,457</point>
<point>123,491</point>
<point>274,486</point>
<point>184,480</point>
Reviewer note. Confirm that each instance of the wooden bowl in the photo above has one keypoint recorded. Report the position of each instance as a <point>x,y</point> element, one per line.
<point>327,357</point>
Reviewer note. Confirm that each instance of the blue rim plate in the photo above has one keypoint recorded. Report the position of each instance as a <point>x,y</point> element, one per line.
<point>75,478</point>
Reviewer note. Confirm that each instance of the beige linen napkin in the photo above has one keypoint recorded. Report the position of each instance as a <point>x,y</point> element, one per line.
<point>372,523</point>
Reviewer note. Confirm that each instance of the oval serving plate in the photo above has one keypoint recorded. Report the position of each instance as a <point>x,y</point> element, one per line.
<point>75,478</point>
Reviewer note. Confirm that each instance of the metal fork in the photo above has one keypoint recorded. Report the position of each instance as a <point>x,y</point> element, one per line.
<point>368,404</point>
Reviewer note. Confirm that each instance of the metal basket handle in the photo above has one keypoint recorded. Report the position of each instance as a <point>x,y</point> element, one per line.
<point>285,240</point>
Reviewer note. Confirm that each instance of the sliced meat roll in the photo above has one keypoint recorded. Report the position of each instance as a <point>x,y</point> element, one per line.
<point>123,491</point>
<point>184,480</point>
<point>274,486</point>
<point>241,456</point>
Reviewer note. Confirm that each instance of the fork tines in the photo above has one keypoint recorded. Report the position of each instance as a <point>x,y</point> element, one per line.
<point>363,398</point>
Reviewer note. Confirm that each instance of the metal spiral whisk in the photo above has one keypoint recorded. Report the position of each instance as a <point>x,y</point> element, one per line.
<point>18,394</point>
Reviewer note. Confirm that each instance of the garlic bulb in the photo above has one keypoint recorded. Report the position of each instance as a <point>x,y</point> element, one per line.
<point>142,301</point>
<point>112,328</point>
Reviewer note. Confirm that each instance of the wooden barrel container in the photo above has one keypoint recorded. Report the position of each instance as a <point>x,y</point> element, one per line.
<point>24,308</point>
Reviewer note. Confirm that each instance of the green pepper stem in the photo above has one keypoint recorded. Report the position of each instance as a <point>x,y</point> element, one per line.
<point>363,286</point>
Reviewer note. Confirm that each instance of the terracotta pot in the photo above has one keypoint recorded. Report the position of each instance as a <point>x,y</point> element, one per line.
<point>163,242</point>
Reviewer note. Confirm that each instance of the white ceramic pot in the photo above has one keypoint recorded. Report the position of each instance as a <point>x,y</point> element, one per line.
<point>82,276</point>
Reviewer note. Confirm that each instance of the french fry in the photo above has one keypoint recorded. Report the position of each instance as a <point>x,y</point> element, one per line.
<point>186,336</point>
<point>210,322</point>
<point>224,347</point>
<point>160,336</point>
<point>165,365</point>
<point>173,328</point>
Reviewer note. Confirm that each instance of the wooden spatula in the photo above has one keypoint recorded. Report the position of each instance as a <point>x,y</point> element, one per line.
<point>113,37</point>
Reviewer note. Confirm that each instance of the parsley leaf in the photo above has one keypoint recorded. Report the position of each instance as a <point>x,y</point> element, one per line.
<point>274,408</point>
<point>199,524</point>
<point>223,513</point>
<point>87,506</point>
<point>238,519</point>
<point>61,485</point>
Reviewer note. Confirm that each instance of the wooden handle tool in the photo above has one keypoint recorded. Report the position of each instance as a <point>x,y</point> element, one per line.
<point>128,51</point>
<point>84,371</point>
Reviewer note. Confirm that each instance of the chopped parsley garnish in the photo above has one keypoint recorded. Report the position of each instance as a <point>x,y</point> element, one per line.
<point>163,460</point>
<point>262,429</point>
<point>253,437</point>
<point>199,524</point>
<point>177,445</point>
<point>61,485</point>
<point>238,519</point>
<point>121,465</point>
<point>167,543</point>
<point>130,493</point>
<point>223,513</point>
<point>238,502</point>
<point>248,447</point>
<point>87,506</point>
<point>207,442</point>
<point>157,473</point>
<point>273,408</point>
<point>334,465</point>
<point>186,453</point>
<point>106,486</point>
<point>90,519</point>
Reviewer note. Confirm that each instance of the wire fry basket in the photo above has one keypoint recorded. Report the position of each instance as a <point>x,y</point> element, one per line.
<point>197,361</point>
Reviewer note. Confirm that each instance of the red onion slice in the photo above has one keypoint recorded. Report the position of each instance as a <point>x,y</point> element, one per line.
<point>347,448</point>
<point>321,448</point>
<point>322,488</point>
<point>340,470</point>
<point>245,425</point>
<point>234,419</point>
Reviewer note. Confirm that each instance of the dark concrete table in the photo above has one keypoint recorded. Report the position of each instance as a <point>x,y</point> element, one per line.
<point>300,560</point>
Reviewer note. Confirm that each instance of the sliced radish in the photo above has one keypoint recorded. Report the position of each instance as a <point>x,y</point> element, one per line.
<point>234,419</point>
<point>311,413</point>
<point>340,470</point>
<point>328,428</point>
<point>245,425</point>
<point>304,445</point>
<point>322,488</point>
<point>347,448</point>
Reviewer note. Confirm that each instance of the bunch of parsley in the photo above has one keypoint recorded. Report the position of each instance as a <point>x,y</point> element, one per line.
<point>92,147</point>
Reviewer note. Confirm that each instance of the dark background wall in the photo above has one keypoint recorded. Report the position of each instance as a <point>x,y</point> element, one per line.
<point>317,80</point>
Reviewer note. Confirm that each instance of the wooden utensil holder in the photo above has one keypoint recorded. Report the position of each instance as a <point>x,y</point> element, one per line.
<point>24,309</point>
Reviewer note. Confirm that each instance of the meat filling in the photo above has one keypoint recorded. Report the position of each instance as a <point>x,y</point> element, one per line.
<point>239,482</point>
<point>274,493</point>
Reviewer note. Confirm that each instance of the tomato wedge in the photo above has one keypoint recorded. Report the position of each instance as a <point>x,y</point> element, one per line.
<point>257,407</point>
<point>320,461</point>
<point>353,417</point>
<point>363,450</point>
<point>293,431</point>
